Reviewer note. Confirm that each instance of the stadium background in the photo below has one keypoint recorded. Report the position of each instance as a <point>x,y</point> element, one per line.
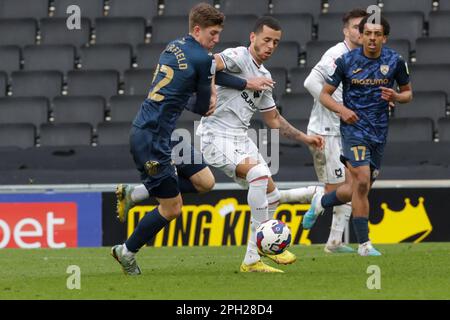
<point>67,98</point>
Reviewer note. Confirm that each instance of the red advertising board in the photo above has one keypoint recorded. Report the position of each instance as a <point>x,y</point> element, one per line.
<point>38,225</point>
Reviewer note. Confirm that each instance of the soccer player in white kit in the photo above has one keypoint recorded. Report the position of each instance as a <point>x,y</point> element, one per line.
<point>329,168</point>
<point>226,145</point>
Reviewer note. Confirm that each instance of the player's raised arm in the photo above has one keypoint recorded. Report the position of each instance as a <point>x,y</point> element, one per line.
<point>275,120</point>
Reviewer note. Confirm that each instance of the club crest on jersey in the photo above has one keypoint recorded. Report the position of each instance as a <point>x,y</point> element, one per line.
<point>384,68</point>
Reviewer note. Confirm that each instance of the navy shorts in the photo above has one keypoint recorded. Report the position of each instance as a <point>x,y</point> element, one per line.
<point>158,172</point>
<point>360,152</point>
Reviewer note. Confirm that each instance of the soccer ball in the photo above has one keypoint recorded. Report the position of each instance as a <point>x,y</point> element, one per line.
<point>273,237</point>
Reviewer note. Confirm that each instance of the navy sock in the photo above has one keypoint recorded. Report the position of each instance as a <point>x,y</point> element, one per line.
<point>147,228</point>
<point>186,185</point>
<point>330,200</point>
<point>361,226</point>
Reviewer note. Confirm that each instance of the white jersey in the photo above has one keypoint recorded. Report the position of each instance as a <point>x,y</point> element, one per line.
<point>235,108</point>
<point>323,121</point>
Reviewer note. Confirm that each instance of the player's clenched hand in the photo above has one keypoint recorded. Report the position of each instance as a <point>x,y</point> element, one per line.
<point>388,94</point>
<point>259,83</point>
<point>348,116</point>
<point>315,141</point>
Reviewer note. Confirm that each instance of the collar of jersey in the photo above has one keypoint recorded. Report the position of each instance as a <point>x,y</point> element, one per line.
<point>253,60</point>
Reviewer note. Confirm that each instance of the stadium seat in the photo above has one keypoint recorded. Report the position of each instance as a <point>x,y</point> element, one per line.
<point>297,77</point>
<point>134,8</point>
<point>315,50</point>
<point>433,50</point>
<point>178,8</point>
<point>106,57</point>
<point>339,6</point>
<point>444,5</point>
<point>32,110</point>
<point>24,8</point>
<point>279,75</point>
<point>65,135</point>
<point>131,31</point>
<point>221,46</point>
<point>117,133</point>
<point>89,8</point>
<point>401,46</point>
<point>286,55</point>
<point>405,25</point>
<point>9,58</point>
<point>24,32</point>
<point>24,135</point>
<point>439,25</point>
<point>444,129</point>
<point>256,7</point>
<point>312,7</point>
<point>137,82</point>
<point>189,116</point>
<point>166,29</point>
<point>431,78</point>
<point>3,83</point>
<point>124,108</point>
<point>296,27</point>
<point>330,27</point>
<point>49,57</point>
<point>296,106</point>
<point>55,31</point>
<point>36,83</point>
<point>238,28</point>
<point>424,6</point>
<point>410,130</point>
<point>424,105</point>
<point>147,55</point>
<point>102,83</point>
<point>79,109</point>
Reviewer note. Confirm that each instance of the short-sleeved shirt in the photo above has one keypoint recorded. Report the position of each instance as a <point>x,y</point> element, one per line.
<point>361,79</point>
<point>236,108</point>
<point>323,121</point>
<point>183,66</point>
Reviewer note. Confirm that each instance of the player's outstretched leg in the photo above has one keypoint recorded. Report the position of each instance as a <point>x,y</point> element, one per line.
<point>273,199</point>
<point>299,195</point>
<point>257,178</point>
<point>126,259</point>
<point>124,202</point>
<point>314,211</point>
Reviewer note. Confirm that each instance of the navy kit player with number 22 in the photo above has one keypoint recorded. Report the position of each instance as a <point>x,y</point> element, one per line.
<point>367,75</point>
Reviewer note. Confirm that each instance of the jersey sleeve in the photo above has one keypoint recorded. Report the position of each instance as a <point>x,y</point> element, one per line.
<point>326,65</point>
<point>205,69</point>
<point>337,76</point>
<point>401,74</point>
<point>231,59</point>
<point>267,102</point>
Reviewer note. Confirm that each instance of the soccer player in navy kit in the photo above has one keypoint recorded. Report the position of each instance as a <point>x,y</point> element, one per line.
<point>184,67</point>
<point>367,75</point>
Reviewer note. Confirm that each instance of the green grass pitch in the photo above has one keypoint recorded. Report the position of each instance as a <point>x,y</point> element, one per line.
<point>408,271</point>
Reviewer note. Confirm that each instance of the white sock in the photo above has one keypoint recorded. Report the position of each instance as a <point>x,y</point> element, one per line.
<point>273,200</point>
<point>127,252</point>
<point>341,215</point>
<point>139,193</point>
<point>299,195</point>
<point>257,200</point>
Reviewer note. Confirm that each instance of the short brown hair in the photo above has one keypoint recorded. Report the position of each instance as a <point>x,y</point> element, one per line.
<point>355,13</point>
<point>205,15</point>
<point>269,21</point>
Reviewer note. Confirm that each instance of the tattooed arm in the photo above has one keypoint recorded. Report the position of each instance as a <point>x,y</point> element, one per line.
<point>274,120</point>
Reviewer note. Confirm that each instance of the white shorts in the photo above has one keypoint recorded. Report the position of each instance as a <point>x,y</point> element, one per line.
<point>327,162</point>
<point>226,153</point>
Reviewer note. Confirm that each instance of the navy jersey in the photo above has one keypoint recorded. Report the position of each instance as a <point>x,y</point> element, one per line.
<point>184,67</point>
<point>361,79</point>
